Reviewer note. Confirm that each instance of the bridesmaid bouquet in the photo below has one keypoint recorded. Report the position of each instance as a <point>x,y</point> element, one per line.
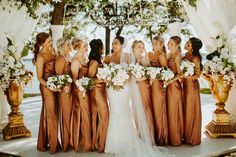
<point>64,79</point>
<point>58,81</point>
<point>167,74</point>
<point>84,83</point>
<point>187,68</point>
<point>154,73</point>
<point>137,70</point>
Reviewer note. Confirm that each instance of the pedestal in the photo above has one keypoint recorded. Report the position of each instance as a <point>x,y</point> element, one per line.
<point>15,128</point>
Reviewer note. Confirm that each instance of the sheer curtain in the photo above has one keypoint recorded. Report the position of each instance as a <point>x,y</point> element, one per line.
<point>20,25</point>
<point>204,19</point>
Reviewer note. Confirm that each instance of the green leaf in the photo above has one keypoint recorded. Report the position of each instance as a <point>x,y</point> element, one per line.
<point>25,50</point>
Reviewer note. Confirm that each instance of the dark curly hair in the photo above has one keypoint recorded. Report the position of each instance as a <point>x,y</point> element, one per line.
<point>196,46</point>
<point>95,45</point>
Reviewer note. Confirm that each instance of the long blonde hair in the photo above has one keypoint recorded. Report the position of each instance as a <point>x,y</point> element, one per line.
<point>159,38</point>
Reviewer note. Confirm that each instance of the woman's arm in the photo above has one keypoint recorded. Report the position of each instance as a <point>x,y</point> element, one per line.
<point>60,64</point>
<point>39,70</point>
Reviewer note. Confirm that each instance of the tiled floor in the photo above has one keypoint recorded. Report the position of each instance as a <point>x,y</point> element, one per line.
<point>31,109</point>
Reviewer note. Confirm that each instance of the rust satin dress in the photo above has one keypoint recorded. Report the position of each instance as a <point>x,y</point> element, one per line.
<point>65,110</point>
<point>175,108</point>
<point>48,126</point>
<point>192,110</point>
<point>100,115</point>
<point>81,117</point>
<point>159,106</point>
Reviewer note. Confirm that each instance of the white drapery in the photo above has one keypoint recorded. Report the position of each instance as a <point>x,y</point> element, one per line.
<point>20,25</point>
<point>207,14</point>
<point>204,18</point>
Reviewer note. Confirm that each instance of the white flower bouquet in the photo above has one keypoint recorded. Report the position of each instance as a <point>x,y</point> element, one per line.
<point>187,68</point>
<point>154,72</point>
<point>115,75</point>
<point>167,74</point>
<point>104,73</point>
<point>84,84</point>
<point>119,75</point>
<point>56,82</point>
<point>12,69</point>
<point>137,70</point>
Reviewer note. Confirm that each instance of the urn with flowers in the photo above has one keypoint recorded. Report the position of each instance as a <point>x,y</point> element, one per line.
<point>13,78</point>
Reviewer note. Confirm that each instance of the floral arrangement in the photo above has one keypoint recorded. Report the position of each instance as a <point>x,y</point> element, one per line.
<point>187,68</point>
<point>104,73</point>
<point>115,74</point>
<point>220,61</point>
<point>58,81</point>
<point>138,71</point>
<point>167,74</point>
<point>84,84</point>
<point>154,73</point>
<point>11,67</point>
<point>164,74</point>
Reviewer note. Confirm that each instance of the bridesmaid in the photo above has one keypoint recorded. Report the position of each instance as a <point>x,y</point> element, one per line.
<point>144,86</point>
<point>174,94</point>
<point>81,114</point>
<point>192,112</point>
<point>44,58</point>
<point>63,66</point>
<point>99,105</point>
<point>158,59</point>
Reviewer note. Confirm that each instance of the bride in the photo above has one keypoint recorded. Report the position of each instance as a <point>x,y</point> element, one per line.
<point>120,127</point>
<point>128,136</point>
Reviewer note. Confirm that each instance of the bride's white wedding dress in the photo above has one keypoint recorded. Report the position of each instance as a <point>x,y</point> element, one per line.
<point>128,133</point>
<point>120,130</point>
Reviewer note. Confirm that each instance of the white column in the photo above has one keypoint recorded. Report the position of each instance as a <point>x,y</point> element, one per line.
<point>57,33</point>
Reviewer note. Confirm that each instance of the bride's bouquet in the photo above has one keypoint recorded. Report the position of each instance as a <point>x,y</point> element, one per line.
<point>187,68</point>
<point>119,75</point>
<point>137,70</point>
<point>84,83</point>
<point>104,73</point>
<point>115,75</point>
<point>56,82</point>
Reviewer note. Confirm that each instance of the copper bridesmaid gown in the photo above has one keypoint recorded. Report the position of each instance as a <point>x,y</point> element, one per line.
<point>192,111</point>
<point>65,110</point>
<point>175,108</point>
<point>48,126</point>
<point>145,91</point>
<point>100,115</point>
<point>159,108</point>
<point>81,117</point>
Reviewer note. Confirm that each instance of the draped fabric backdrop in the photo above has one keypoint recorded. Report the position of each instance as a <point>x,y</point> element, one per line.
<point>20,25</point>
<point>204,18</point>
